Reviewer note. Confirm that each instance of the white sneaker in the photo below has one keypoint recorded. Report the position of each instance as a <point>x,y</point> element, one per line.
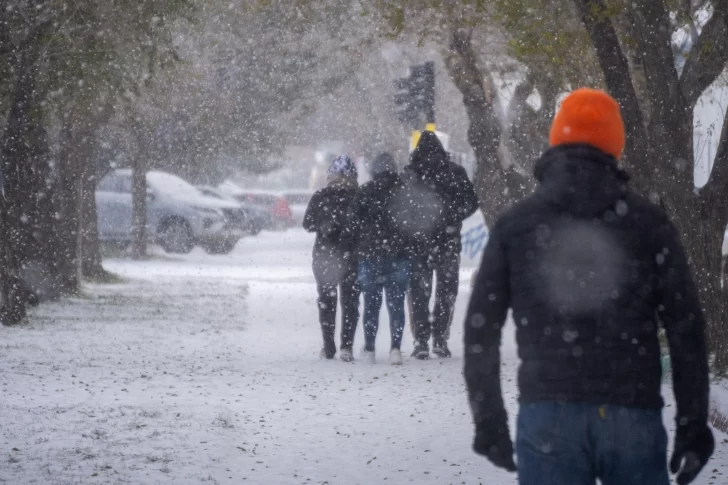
<point>368,356</point>
<point>346,355</point>
<point>395,357</point>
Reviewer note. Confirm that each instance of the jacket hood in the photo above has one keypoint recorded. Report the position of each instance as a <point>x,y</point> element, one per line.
<point>384,162</point>
<point>385,179</point>
<point>429,154</point>
<point>580,179</point>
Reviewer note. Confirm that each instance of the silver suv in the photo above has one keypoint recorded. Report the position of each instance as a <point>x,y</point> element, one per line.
<point>178,215</point>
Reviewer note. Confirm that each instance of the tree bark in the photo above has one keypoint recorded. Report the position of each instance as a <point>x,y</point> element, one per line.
<point>618,80</point>
<point>497,186</point>
<point>66,195</point>
<point>708,57</point>
<point>32,261</point>
<point>91,262</point>
<point>139,207</point>
<point>662,146</point>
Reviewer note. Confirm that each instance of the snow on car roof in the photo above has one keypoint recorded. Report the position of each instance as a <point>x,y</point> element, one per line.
<point>172,185</point>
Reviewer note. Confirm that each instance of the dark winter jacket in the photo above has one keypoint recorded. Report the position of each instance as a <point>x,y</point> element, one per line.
<point>326,216</point>
<point>375,219</point>
<point>440,194</point>
<point>589,270</point>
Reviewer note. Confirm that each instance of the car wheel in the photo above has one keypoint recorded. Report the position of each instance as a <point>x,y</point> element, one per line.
<point>176,237</point>
<point>221,247</point>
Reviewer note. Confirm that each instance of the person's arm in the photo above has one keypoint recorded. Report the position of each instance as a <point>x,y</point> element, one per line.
<point>682,317</point>
<point>351,229</point>
<point>469,199</point>
<point>484,321</point>
<point>460,192</point>
<point>310,219</point>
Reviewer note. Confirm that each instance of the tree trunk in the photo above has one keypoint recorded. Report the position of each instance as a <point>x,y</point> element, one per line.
<point>31,258</point>
<point>66,202</point>
<point>660,149</point>
<point>91,262</point>
<point>497,186</point>
<point>139,209</point>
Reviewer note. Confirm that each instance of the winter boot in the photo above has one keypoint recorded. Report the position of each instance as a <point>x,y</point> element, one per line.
<point>422,351</point>
<point>346,355</point>
<point>395,357</point>
<point>439,348</point>
<point>329,349</point>
<point>368,356</point>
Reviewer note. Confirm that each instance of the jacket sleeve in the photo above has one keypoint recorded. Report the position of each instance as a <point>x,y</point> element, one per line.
<point>469,197</point>
<point>484,321</point>
<point>311,218</point>
<point>681,314</point>
<point>351,229</point>
<point>461,194</point>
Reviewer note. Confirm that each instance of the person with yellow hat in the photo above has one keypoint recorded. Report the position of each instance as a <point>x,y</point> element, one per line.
<point>590,271</point>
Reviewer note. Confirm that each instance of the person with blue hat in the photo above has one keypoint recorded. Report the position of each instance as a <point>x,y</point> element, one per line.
<point>334,265</point>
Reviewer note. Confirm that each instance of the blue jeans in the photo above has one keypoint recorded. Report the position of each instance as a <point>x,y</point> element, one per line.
<point>574,444</point>
<point>376,276</point>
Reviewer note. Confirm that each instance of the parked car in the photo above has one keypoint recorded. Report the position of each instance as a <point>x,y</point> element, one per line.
<point>298,201</point>
<point>178,215</point>
<point>248,217</point>
<point>276,205</point>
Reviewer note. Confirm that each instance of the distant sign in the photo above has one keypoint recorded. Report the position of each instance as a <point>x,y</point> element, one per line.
<point>474,240</point>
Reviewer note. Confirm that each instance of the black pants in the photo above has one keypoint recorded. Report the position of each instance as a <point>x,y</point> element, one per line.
<point>445,264</point>
<point>332,274</point>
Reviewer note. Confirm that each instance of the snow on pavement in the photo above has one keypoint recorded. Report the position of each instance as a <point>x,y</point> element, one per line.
<point>204,369</point>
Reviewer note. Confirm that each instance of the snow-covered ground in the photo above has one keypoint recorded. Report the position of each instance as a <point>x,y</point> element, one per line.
<point>204,369</point>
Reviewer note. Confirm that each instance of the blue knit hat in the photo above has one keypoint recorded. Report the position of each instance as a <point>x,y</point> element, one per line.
<point>342,165</point>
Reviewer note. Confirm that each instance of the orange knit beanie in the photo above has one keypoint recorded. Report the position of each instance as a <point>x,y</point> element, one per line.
<point>592,117</point>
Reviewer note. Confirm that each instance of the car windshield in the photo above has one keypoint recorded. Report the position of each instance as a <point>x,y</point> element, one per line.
<point>169,184</point>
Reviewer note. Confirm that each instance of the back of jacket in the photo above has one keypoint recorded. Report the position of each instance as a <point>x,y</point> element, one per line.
<point>375,219</point>
<point>326,216</point>
<point>440,196</point>
<point>590,271</point>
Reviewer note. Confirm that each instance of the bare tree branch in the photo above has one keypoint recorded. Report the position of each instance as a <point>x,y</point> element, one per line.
<point>618,78</point>
<point>708,57</point>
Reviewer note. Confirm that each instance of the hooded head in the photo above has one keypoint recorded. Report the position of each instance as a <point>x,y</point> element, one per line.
<point>590,117</point>
<point>342,169</point>
<point>383,163</point>
<point>429,153</point>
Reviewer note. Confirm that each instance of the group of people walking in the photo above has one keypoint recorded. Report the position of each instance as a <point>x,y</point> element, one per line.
<point>590,272</point>
<point>385,239</point>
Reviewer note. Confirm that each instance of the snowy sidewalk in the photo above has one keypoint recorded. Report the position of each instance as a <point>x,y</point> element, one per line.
<point>204,370</point>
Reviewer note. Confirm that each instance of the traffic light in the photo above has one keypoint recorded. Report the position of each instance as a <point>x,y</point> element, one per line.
<point>416,96</point>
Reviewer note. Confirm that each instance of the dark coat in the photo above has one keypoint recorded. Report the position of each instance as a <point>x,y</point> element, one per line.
<point>375,219</point>
<point>326,216</point>
<point>440,194</point>
<point>590,270</point>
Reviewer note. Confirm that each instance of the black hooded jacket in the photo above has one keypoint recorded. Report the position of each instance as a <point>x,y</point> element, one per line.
<point>441,195</point>
<point>590,271</point>
<point>326,216</point>
<point>374,226</point>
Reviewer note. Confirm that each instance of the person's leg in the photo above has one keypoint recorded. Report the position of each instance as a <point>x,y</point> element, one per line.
<point>631,446</point>
<point>552,446</point>
<point>420,288</point>
<point>349,306</point>
<point>372,289</point>
<point>448,279</point>
<point>397,279</point>
<point>327,309</point>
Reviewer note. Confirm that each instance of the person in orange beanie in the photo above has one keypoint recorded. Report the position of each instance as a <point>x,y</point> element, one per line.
<point>591,117</point>
<point>590,271</point>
